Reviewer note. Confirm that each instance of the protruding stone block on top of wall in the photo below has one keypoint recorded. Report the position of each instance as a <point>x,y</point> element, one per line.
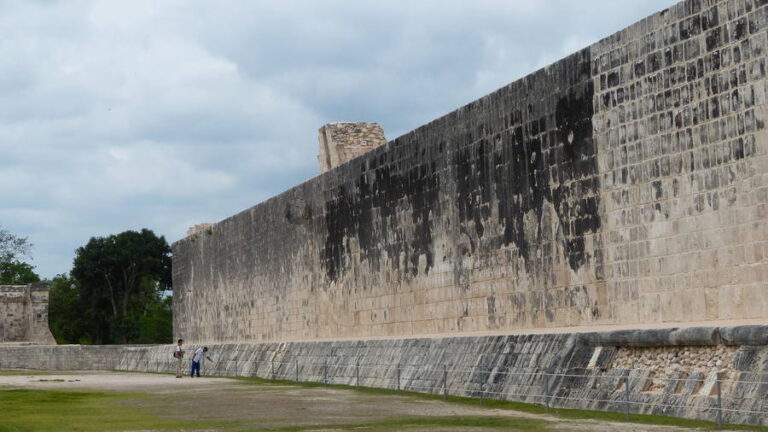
<point>198,228</point>
<point>24,314</point>
<point>341,142</point>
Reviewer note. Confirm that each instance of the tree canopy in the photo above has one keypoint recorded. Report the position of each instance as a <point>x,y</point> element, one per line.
<point>17,273</point>
<point>116,293</point>
<point>13,270</point>
<point>12,246</point>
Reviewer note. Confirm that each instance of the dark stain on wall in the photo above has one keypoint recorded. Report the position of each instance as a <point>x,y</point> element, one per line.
<point>529,163</point>
<point>369,212</point>
<point>542,152</point>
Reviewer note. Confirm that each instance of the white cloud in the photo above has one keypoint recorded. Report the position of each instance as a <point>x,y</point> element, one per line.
<point>123,115</point>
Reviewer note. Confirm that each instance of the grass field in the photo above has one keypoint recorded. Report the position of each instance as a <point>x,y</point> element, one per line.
<point>155,402</point>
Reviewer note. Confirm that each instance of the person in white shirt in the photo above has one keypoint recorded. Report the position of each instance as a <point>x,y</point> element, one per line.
<point>178,354</point>
<point>196,359</point>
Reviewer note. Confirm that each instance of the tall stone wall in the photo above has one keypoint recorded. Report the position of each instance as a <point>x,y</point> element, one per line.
<point>624,184</point>
<point>24,314</point>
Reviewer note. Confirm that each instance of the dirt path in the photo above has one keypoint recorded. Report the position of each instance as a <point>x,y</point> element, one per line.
<point>270,406</point>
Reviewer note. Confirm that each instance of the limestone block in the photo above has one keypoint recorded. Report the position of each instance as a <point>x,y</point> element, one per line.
<point>24,314</point>
<point>343,141</point>
<point>625,184</point>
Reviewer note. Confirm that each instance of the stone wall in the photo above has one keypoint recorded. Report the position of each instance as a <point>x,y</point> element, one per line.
<point>626,184</point>
<point>573,370</point>
<point>24,314</point>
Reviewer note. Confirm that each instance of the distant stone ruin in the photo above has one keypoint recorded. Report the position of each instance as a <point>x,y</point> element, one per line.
<point>343,141</point>
<point>24,314</point>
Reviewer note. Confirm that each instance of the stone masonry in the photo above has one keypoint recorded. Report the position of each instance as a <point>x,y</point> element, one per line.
<point>343,141</point>
<point>623,186</point>
<point>24,314</point>
<point>201,227</point>
<point>626,184</point>
<point>575,370</point>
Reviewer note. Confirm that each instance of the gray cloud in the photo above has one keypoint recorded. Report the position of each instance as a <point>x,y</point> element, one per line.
<point>123,115</point>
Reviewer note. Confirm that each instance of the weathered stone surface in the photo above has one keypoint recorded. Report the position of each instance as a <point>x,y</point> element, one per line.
<point>201,227</point>
<point>503,367</point>
<point>664,362</point>
<point>24,314</point>
<point>669,336</point>
<point>624,184</point>
<point>745,335</point>
<point>343,141</point>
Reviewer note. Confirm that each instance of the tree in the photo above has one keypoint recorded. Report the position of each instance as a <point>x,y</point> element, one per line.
<point>157,323</point>
<point>13,247</point>
<point>17,273</point>
<point>13,271</point>
<point>120,280</point>
<point>65,317</point>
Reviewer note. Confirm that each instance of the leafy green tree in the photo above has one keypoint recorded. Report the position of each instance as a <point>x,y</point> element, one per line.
<point>157,323</point>
<point>13,271</point>
<point>13,247</point>
<point>17,273</point>
<point>120,281</point>
<point>65,318</point>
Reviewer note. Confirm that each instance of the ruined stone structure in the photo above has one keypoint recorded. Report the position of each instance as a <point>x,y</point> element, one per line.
<point>626,184</point>
<point>24,314</point>
<point>201,227</point>
<point>343,141</point>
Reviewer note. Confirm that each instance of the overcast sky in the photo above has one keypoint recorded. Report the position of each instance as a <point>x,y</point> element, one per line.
<point>119,115</point>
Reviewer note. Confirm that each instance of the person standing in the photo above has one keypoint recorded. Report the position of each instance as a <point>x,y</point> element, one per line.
<point>196,359</point>
<point>179,355</point>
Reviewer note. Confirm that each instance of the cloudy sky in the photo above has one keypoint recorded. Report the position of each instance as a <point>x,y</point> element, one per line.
<point>119,115</point>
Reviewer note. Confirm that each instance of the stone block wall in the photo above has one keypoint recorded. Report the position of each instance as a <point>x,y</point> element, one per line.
<point>24,314</point>
<point>679,121</point>
<point>14,320</point>
<point>626,184</point>
<point>588,370</point>
<point>341,142</point>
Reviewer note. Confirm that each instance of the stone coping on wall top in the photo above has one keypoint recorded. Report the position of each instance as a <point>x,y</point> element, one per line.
<point>755,334</point>
<point>737,335</point>
<point>591,335</point>
<point>37,286</point>
<point>24,343</point>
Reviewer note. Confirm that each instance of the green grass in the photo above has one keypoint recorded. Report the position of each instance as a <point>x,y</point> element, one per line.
<point>93,411</point>
<point>406,423</point>
<point>25,372</point>
<point>55,410</point>
<point>562,413</point>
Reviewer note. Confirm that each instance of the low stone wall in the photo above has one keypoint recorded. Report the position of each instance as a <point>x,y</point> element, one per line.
<point>69,357</point>
<point>602,371</point>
